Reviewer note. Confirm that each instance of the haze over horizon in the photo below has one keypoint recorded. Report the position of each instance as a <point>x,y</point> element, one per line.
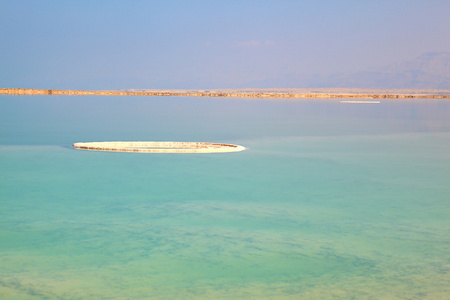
<point>232,44</point>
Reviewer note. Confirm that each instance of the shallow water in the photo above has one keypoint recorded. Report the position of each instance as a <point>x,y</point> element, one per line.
<point>330,200</point>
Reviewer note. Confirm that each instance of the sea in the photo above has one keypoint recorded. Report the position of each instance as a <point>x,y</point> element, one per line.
<point>330,200</point>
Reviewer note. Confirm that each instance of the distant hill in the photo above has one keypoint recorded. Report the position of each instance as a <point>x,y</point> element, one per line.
<point>428,71</point>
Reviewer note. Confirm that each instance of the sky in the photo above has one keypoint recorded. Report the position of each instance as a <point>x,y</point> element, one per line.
<point>209,44</point>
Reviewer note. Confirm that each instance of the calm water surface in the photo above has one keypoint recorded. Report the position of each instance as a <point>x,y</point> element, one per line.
<point>329,201</point>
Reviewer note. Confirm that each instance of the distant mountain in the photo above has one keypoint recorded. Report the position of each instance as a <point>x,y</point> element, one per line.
<point>428,71</point>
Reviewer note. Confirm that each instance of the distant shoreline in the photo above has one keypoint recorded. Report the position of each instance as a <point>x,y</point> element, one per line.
<point>247,93</point>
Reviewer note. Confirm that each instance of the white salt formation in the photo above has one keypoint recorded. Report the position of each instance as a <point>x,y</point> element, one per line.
<point>159,147</point>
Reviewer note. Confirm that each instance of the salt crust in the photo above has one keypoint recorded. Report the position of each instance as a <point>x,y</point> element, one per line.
<point>159,147</point>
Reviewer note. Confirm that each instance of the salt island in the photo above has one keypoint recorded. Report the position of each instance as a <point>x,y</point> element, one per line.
<point>159,147</point>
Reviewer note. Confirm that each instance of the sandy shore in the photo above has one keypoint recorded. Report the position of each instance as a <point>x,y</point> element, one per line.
<point>249,93</point>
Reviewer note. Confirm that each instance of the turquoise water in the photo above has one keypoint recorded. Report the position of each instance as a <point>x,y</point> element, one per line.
<point>329,201</point>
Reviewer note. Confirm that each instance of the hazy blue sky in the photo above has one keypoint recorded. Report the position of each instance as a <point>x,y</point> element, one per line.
<point>208,44</point>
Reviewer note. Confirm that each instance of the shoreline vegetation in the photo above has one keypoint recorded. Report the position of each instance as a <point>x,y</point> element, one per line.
<point>247,93</point>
